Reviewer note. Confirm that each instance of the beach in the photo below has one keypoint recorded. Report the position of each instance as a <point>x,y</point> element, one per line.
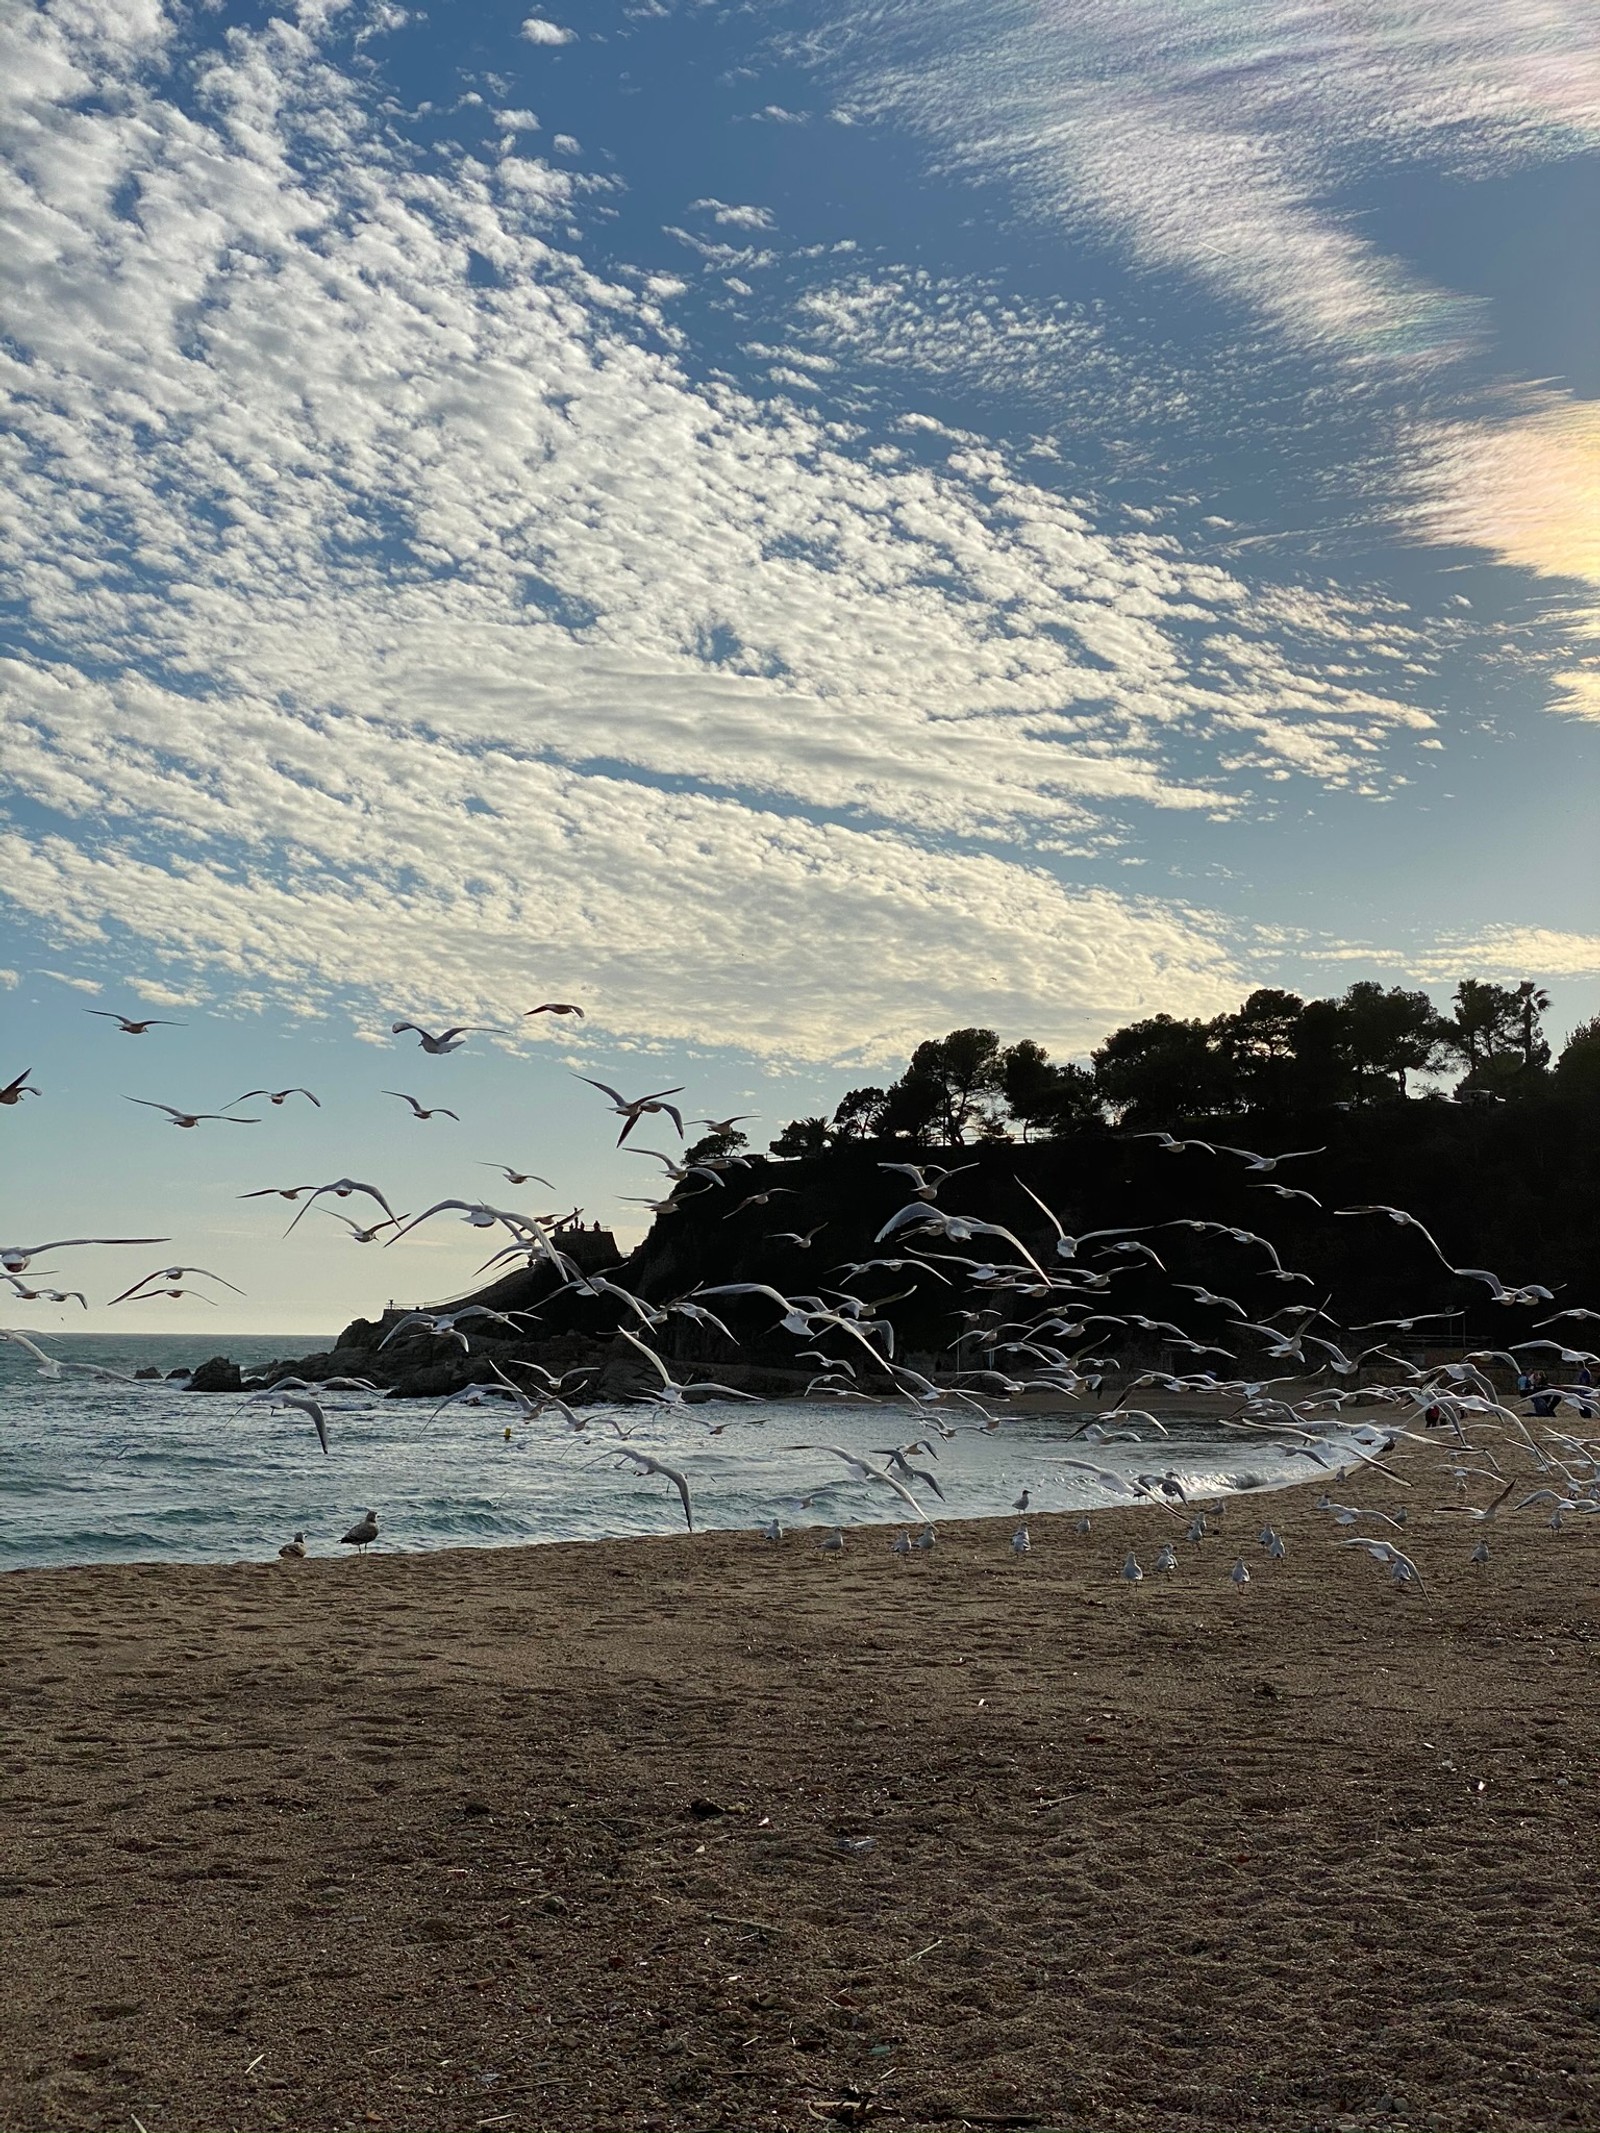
<point>701,1832</point>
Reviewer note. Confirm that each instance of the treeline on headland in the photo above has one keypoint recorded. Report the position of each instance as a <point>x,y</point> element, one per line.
<point>1277,1054</point>
<point>1502,1179</point>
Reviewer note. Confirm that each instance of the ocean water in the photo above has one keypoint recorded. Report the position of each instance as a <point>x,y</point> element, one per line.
<point>149,1473</point>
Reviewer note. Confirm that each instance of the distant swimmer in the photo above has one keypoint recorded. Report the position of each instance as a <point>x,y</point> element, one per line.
<point>293,1550</point>
<point>362,1534</point>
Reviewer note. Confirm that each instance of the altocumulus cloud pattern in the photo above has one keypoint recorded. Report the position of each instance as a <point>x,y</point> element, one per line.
<point>415,562</point>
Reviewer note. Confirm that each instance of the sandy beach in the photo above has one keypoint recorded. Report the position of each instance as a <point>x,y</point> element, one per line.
<point>697,1832</point>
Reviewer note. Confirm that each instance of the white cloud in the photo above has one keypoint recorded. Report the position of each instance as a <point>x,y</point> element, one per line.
<point>1212,139</point>
<point>405,631</point>
<point>1517,952</point>
<point>735,217</point>
<point>538,31</point>
<point>9,979</point>
<point>160,995</point>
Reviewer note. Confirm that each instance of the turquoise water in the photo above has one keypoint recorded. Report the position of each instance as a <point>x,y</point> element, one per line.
<point>120,1473</point>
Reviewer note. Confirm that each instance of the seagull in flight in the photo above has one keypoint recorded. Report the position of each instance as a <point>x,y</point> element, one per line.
<point>14,1258</point>
<point>954,1229</point>
<point>14,1091</point>
<point>646,1464</point>
<point>1067,1247</point>
<point>448,1040</point>
<point>358,1235</point>
<point>927,1178</point>
<point>517,1177</point>
<point>130,1028</point>
<point>1404,1569</point>
<point>1252,1161</point>
<point>274,1096</point>
<point>341,1188</point>
<point>190,1118</point>
<point>553,1007</point>
<point>630,1109</point>
<point>421,1111</point>
<point>174,1273</point>
<point>864,1470</point>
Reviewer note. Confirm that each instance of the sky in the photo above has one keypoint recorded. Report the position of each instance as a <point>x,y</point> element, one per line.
<point>794,526</point>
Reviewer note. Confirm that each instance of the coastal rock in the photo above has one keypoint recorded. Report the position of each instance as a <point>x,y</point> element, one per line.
<point>220,1374</point>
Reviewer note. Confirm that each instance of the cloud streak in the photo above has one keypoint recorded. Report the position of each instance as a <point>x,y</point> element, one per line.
<point>1216,140</point>
<point>404,610</point>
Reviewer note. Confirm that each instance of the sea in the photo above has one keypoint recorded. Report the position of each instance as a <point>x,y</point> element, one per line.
<point>94,1472</point>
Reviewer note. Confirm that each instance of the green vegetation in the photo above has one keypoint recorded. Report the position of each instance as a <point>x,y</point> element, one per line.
<point>1276,1055</point>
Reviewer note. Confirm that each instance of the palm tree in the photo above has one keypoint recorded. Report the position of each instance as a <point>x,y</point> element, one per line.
<point>1532,1002</point>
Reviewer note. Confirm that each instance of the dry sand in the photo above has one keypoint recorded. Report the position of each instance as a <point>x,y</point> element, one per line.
<point>556,1837</point>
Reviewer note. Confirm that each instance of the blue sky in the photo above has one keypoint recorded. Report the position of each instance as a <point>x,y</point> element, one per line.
<point>797,526</point>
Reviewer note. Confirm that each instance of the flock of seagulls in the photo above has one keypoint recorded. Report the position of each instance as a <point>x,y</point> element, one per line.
<point>1034,1315</point>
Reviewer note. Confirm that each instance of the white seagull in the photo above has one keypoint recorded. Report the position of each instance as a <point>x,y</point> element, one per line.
<point>448,1040</point>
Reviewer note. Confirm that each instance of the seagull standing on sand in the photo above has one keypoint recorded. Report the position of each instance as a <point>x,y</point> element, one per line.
<point>293,1550</point>
<point>1020,1543</point>
<point>362,1534</point>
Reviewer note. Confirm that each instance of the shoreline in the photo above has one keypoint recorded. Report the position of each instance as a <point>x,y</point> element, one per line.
<point>1246,1452</point>
<point>704,1833</point>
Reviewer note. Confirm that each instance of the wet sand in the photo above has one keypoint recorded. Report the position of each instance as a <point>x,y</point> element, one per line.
<point>696,1832</point>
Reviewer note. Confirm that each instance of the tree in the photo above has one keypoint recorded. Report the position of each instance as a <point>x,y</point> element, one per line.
<point>961,1070</point>
<point>1533,1002</point>
<point>802,1136</point>
<point>1389,1034</point>
<point>1578,1068</point>
<point>1256,1047</point>
<point>1158,1071</point>
<point>717,1144</point>
<point>1486,1022</point>
<point>1041,1095</point>
<point>860,1115</point>
<point>913,1109</point>
<point>1324,1072</point>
